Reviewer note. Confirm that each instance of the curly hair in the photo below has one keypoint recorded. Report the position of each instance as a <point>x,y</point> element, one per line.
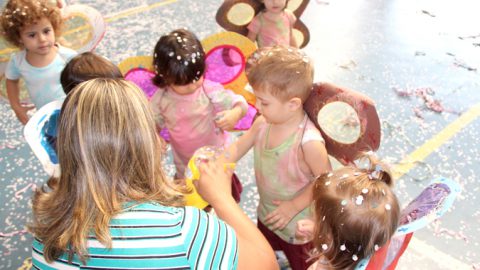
<point>18,14</point>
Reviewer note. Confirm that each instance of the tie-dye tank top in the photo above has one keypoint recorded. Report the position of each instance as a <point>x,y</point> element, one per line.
<point>279,176</point>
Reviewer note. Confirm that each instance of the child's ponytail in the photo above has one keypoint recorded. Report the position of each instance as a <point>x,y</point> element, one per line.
<point>375,169</point>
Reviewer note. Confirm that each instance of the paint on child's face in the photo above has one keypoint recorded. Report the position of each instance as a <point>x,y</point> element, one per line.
<point>275,6</point>
<point>272,108</point>
<point>187,89</point>
<point>38,38</point>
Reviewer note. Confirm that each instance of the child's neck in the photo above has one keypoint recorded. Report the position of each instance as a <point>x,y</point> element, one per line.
<point>279,132</point>
<point>272,15</point>
<point>41,60</point>
<point>293,121</point>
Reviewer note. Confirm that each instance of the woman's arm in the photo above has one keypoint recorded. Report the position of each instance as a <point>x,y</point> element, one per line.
<point>215,187</point>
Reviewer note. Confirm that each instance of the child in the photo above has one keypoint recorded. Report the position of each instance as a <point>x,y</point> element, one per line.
<point>87,66</point>
<point>195,111</point>
<point>80,68</point>
<point>288,150</point>
<point>273,25</point>
<point>33,27</point>
<point>356,213</point>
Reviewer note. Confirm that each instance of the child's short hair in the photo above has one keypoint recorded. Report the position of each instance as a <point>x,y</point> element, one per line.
<point>356,213</point>
<point>20,13</point>
<point>178,59</point>
<point>87,66</point>
<point>285,72</point>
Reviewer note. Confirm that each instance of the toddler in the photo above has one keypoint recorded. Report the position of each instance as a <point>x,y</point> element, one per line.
<point>80,68</point>
<point>355,213</point>
<point>33,26</point>
<point>196,111</point>
<point>273,25</point>
<point>289,151</point>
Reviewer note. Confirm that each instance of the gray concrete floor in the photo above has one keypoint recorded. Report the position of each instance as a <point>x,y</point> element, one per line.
<point>372,46</point>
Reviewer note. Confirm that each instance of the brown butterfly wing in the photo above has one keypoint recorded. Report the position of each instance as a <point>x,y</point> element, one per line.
<point>369,123</point>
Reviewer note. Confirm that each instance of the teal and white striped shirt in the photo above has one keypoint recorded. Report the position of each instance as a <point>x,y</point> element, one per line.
<point>152,236</point>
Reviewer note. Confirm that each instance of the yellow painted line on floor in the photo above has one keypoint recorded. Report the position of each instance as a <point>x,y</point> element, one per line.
<point>109,19</point>
<point>138,10</point>
<point>434,143</point>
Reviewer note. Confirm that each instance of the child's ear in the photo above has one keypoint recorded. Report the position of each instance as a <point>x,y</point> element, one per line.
<point>295,103</point>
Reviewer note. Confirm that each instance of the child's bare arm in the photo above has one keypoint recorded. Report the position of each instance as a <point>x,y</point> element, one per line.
<point>13,93</point>
<point>227,119</point>
<point>293,41</point>
<point>316,157</point>
<point>239,148</point>
<point>252,36</point>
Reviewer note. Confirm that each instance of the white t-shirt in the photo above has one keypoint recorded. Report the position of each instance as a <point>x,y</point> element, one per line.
<point>43,83</point>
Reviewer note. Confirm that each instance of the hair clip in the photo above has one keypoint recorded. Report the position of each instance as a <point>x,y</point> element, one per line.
<point>375,174</point>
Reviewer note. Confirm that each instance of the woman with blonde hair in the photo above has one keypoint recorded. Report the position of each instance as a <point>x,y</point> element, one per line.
<point>112,206</point>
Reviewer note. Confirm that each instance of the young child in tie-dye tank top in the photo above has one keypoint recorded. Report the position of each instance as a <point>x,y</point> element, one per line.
<point>289,150</point>
<point>196,111</point>
<point>273,25</point>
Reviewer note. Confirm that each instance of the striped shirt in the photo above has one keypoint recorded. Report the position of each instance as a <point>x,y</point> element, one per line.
<point>152,236</point>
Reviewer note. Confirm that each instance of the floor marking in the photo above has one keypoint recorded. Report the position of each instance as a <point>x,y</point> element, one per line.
<point>111,18</point>
<point>419,249</point>
<point>434,143</point>
<point>139,9</point>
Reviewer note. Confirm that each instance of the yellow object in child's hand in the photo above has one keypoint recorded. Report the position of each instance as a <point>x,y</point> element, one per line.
<point>202,154</point>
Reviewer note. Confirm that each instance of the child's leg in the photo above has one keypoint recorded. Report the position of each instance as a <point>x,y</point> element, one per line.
<point>271,237</point>
<point>297,255</point>
<point>237,188</point>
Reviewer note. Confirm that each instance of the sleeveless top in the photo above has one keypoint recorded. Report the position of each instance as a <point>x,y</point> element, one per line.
<point>278,173</point>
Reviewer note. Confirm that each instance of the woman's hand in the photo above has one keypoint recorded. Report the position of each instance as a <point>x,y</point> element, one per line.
<point>214,184</point>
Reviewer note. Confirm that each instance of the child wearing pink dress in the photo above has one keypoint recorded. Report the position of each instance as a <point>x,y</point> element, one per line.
<point>197,112</point>
<point>273,25</point>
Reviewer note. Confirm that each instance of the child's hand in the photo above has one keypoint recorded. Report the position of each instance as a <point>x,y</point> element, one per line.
<point>304,229</point>
<point>281,216</point>
<point>21,112</point>
<point>227,120</point>
<point>164,145</point>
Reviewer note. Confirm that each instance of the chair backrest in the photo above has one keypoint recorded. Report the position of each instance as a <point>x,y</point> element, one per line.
<point>41,132</point>
<point>432,203</point>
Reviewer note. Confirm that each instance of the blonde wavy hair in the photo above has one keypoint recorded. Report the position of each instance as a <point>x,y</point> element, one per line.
<point>109,154</point>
